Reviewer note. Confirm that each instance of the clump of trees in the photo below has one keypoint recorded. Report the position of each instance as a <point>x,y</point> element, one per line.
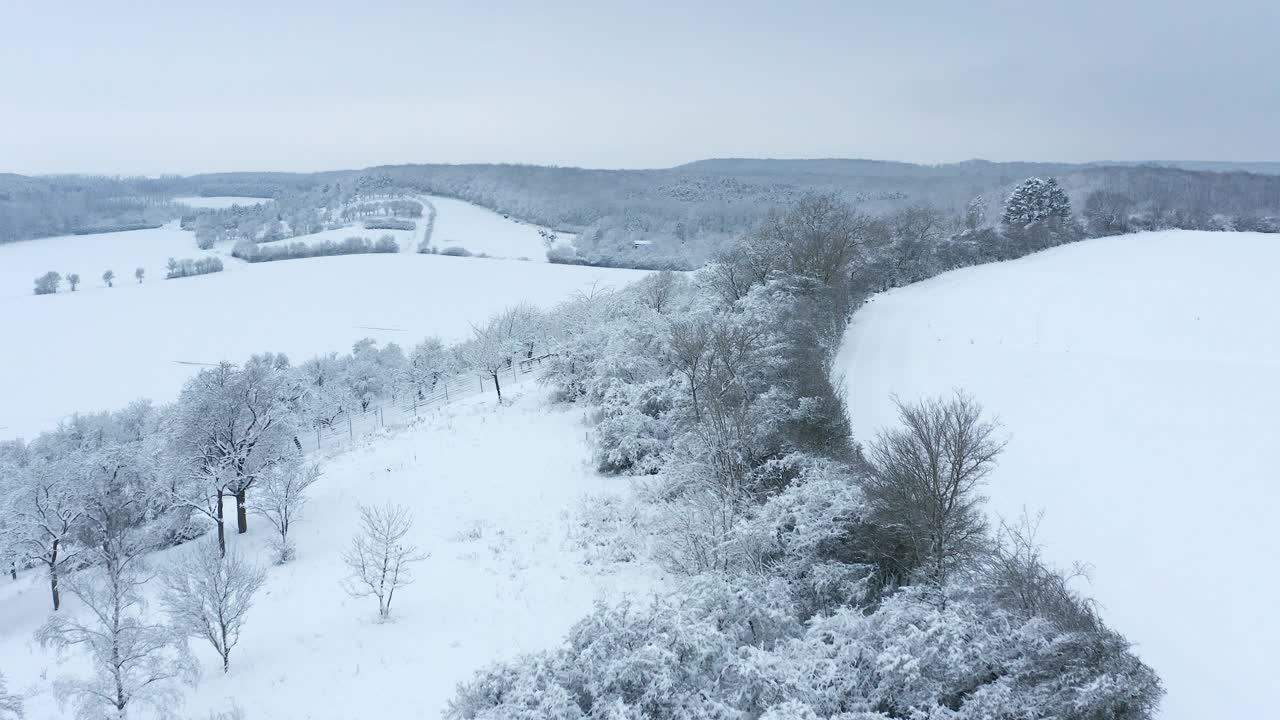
<point>48,283</point>
<point>255,253</point>
<point>188,267</point>
<point>390,224</point>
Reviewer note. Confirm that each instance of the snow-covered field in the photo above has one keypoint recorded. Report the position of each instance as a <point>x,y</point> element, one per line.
<point>1138,378</point>
<point>490,488</point>
<point>100,348</point>
<point>91,255</point>
<point>220,202</point>
<point>481,230</point>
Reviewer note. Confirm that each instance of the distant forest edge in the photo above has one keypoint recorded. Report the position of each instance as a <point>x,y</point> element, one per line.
<point>673,218</point>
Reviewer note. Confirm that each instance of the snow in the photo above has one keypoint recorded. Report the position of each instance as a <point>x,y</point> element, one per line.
<point>90,255</point>
<point>489,487</point>
<point>101,348</point>
<point>481,230</point>
<point>220,202</point>
<point>1138,378</point>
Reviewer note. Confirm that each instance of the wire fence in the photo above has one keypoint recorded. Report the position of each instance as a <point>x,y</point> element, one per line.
<point>352,425</point>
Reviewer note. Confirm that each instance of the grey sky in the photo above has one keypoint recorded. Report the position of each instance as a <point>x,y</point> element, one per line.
<point>177,86</point>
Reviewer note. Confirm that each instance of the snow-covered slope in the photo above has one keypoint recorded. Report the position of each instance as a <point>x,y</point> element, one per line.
<point>491,489</point>
<point>1139,379</point>
<point>481,230</point>
<point>100,348</point>
<point>91,255</point>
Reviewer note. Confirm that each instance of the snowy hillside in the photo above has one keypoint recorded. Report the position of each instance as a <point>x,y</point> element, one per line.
<point>491,489</point>
<point>100,348</point>
<point>1138,378</point>
<point>92,255</point>
<point>480,230</point>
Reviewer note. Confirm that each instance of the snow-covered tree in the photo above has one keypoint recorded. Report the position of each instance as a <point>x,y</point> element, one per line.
<point>371,373</point>
<point>324,397</point>
<point>133,661</point>
<point>429,362</point>
<point>48,508</point>
<point>231,425</point>
<point>208,594</point>
<point>281,496</point>
<point>379,558</point>
<point>487,353</point>
<point>109,277</point>
<point>47,284</point>
<point>1036,200</point>
<point>73,279</point>
<point>140,273</point>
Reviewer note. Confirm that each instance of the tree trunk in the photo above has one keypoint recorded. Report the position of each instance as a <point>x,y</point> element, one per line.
<point>242,512</point>
<point>222,530</point>
<point>497,386</point>
<point>53,577</point>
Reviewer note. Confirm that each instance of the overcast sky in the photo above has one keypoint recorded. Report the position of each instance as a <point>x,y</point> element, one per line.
<point>175,86</point>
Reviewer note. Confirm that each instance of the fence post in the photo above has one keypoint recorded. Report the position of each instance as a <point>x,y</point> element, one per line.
<point>351,430</point>
<point>317,437</point>
<point>381,422</point>
<point>446,391</point>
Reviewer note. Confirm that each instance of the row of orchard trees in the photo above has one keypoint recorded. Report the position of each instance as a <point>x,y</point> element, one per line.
<point>86,503</point>
<point>825,579</point>
<point>48,283</point>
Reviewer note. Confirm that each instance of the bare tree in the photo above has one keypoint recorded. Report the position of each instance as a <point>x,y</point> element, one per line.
<point>487,353</point>
<point>208,594</point>
<point>134,662</point>
<point>924,480</point>
<point>687,353</point>
<point>109,277</point>
<point>73,279</point>
<point>658,290</point>
<point>48,511</point>
<point>281,497</point>
<point>379,558</point>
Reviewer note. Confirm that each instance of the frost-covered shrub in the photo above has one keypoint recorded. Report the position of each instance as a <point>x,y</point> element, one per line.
<point>609,529</point>
<point>456,251</point>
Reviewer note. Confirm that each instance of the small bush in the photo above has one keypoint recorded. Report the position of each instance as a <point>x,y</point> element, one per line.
<point>456,251</point>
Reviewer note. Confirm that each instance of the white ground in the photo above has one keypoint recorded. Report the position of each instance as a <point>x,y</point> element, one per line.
<point>481,230</point>
<point>1139,380</point>
<point>91,255</point>
<point>100,348</point>
<point>490,489</point>
<point>220,202</point>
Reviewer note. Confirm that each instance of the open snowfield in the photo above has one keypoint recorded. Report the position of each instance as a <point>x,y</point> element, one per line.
<point>101,348</point>
<point>91,255</point>
<point>481,230</point>
<point>491,489</point>
<point>1138,378</point>
<point>220,202</point>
